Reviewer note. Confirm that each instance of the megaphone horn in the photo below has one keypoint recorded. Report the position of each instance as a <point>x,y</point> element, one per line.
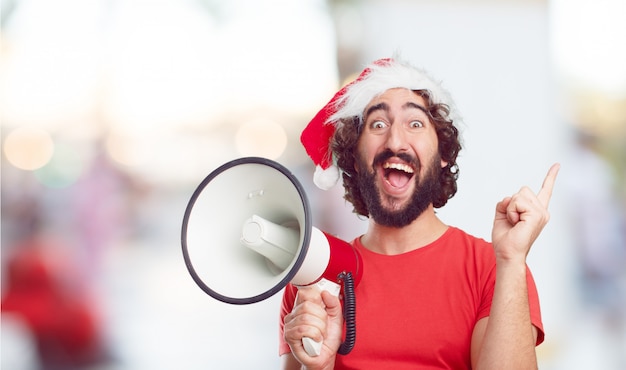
<point>247,232</point>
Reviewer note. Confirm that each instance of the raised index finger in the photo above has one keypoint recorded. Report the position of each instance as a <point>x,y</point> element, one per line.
<point>545,193</point>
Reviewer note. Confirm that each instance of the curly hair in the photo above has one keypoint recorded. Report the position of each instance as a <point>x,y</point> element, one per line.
<point>346,138</point>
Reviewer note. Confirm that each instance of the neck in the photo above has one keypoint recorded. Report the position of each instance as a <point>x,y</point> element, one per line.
<point>424,230</point>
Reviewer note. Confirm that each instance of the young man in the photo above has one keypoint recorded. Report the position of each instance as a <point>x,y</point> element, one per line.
<point>428,297</point>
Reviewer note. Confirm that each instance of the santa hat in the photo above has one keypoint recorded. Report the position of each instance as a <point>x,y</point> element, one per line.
<point>351,100</point>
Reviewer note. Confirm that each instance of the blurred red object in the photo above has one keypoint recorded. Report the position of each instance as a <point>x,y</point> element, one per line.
<point>41,289</point>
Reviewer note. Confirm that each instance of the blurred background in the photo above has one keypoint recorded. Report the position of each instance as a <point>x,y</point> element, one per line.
<point>112,113</point>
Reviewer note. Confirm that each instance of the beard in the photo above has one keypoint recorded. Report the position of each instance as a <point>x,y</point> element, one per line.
<point>396,214</point>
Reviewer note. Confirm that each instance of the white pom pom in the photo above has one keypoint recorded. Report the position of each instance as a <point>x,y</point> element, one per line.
<point>326,178</point>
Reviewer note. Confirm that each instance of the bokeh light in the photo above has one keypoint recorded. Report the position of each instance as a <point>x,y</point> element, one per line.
<point>64,168</point>
<point>262,138</point>
<point>129,150</point>
<point>28,148</point>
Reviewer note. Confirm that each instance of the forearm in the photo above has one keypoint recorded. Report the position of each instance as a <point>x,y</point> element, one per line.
<point>509,341</point>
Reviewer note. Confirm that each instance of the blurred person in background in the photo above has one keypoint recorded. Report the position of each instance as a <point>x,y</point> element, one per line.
<point>599,224</point>
<point>428,297</point>
<point>44,291</point>
<point>103,211</point>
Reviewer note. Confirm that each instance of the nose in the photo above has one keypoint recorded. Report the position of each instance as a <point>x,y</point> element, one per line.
<point>397,140</point>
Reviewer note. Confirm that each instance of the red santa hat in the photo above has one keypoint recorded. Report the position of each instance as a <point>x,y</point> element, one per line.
<point>351,100</point>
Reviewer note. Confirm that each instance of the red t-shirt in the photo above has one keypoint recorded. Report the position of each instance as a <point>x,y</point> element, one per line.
<point>418,309</point>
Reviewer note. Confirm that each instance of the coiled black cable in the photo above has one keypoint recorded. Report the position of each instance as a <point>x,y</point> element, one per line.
<point>349,313</point>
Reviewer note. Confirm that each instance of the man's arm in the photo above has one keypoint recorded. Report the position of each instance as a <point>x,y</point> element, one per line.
<point>524,352</point>
<point>506,340</point>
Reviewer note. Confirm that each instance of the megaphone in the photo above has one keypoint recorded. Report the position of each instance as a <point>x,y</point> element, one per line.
<point>247,232</point>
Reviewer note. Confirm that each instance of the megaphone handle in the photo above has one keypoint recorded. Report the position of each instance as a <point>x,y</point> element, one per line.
<point>312,347</point>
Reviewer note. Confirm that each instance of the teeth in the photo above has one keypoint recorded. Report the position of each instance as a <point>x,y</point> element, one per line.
<point>398,166</point>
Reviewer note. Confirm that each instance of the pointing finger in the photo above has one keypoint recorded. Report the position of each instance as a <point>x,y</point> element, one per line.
<point>545,193</point>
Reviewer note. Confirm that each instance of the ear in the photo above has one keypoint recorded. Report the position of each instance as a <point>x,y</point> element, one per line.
<point>444,163</point>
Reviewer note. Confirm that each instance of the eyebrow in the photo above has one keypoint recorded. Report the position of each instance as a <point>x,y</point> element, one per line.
<point>416,106</point>
<point>385,107</point>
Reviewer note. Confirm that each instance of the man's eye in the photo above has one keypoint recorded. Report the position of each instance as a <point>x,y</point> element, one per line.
<point>378,124</point>
<point>416,124</point>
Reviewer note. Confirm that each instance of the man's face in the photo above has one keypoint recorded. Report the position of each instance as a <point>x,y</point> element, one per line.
<point>398,162</point>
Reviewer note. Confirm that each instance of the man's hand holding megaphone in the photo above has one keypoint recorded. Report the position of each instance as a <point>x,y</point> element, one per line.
<point>316,315</point>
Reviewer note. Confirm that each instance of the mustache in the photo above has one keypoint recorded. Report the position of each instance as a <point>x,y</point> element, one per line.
<point>383,156</point>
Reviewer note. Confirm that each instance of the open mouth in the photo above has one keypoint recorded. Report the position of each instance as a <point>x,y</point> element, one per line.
<point>397,174</point>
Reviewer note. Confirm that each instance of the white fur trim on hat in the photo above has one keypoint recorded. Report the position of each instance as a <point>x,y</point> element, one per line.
<point>326,178</point>
<point>382,77</point>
